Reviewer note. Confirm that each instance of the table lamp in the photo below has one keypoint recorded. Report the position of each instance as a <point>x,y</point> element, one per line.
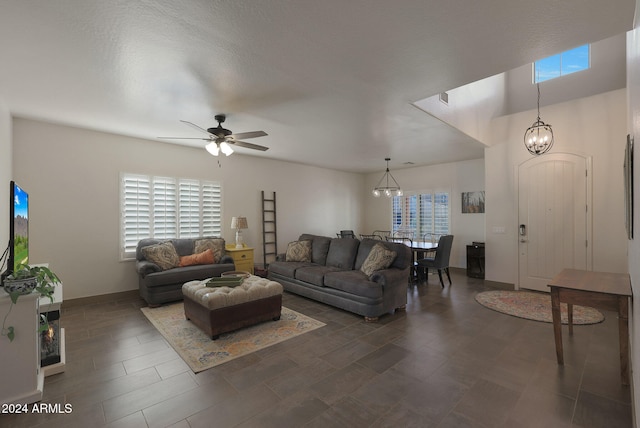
<point>239,223</point>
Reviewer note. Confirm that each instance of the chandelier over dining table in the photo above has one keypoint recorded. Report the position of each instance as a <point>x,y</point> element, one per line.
<point>387,185</point>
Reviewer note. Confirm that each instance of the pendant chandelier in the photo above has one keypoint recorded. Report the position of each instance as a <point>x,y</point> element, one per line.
<point>538,138</point>
<point>386,187</point>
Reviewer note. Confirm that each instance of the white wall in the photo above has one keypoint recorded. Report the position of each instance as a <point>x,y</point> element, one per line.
<point>72,176</point>
<point>594,126</point>
<point>470,107</point>
<point>605,74</point>
<point>633,126</point>
<point>458,177</point>
<point>5,174</point>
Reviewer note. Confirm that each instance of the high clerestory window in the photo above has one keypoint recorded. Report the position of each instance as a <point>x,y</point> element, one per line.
<point>561,64</point>
<point>167,207</point>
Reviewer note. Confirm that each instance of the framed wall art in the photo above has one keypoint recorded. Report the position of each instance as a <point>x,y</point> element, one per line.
<point>473,202</point>
<point>628,186</point>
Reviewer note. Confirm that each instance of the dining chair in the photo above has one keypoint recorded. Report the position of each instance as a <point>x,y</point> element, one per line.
<point>403,234</point>
<point>372,236</point>
<point>346,234</point>
<point>428,237</point>
<point>382,234</point>
<point>439,260</point>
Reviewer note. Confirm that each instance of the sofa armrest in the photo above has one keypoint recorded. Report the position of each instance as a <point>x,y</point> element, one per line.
<point>145,267</point>
<point>391,277</point>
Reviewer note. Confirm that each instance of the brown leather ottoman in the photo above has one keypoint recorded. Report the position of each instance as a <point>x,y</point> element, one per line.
<point>218,310</point>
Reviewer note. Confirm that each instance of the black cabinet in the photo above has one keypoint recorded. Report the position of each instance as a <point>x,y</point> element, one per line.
<point>475,260</point>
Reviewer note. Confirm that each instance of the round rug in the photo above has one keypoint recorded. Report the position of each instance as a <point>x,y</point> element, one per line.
<point>535,306</point>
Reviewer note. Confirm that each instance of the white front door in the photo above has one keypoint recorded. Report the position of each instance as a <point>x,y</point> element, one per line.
<point>553,217</point>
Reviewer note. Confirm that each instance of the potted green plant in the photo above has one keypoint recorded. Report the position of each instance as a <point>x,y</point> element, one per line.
<point>24,280</point>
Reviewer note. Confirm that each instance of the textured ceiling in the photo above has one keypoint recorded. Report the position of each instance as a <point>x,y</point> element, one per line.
<point>330,81</point>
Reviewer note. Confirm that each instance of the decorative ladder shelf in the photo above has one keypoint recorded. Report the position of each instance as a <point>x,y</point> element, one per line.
<point>269,229</point>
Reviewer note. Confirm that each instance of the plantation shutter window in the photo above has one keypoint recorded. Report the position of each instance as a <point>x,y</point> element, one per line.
<point>165,208</point>
<point>421,213</point>
<point>189,209</point>
<point>441,214</point>
<point>136,208</point>
<point>211,203</point>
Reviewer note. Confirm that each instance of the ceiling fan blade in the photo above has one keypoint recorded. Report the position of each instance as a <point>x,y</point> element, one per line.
<point>247,145</point>
<point>184,138</point>
<point>245,135</point>
<point>196,127</point>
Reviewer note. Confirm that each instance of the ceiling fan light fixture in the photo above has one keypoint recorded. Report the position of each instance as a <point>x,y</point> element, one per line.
<point>387,185</point>
<point>226,148</point>
<point>220,139</point>
<point>213,148</point>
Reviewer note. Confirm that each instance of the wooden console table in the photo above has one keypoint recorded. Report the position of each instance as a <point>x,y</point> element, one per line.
<point>607,291</point>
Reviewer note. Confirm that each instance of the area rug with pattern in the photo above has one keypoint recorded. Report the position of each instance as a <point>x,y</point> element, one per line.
<point>535,306</point>
<point>201,353</point>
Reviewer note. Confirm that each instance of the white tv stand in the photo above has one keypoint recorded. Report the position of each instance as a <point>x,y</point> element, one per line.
<point>20,371</point>
<point>47,306</point>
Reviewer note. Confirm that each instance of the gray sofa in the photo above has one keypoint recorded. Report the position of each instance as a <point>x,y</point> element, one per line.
<point>333,275</point>
<point>164,284</point>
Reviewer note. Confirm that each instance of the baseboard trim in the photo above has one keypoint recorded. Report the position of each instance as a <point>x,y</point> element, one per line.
<point>102,298</point>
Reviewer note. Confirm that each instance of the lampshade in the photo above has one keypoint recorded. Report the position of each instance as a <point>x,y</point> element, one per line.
<point>386,187</point>
<point>538,138</point>
<point>226,148</point>
<point>239,223</point>
<point>213,148</point>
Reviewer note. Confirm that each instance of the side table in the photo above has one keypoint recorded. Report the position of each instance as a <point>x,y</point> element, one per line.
<point>242,257</point>
<point>602,290</point>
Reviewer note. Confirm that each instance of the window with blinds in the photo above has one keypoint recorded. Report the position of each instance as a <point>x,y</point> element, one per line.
<point>165,207</point>
<point>421,214</point>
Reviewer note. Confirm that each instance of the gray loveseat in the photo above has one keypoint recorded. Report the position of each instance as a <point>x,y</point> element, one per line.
<point>160,280</point>
<point>333,275</point>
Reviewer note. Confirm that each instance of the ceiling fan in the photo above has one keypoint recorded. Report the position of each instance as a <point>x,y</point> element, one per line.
<point>221,139</point>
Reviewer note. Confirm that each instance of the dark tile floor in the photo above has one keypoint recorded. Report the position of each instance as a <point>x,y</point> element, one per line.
<point>445,362</point>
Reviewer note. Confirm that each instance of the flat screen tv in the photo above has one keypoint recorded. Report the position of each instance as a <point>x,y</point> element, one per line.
<point>18,228</point>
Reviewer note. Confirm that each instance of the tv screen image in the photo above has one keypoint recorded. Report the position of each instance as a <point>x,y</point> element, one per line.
<point>19,233</point>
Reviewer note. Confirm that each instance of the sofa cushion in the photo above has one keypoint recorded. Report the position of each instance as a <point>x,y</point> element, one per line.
<point>163,254</point>
<point>216,245</point>
<point>364,249</point>
<point>319,247</point>
<point>353,282</point>
<point>342,253</point>
<point>379,258</point>
<point>314,274</point>
<point>287,269</point>
<point>203,258</point>
<point>146,242</point>
<point>299,251</point>
<point>183,246</point>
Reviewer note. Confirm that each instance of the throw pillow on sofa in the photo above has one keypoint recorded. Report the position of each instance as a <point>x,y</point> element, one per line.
<point>163,254</point>
<point>379,258</point>
<point>215,244</point>
<point>298,251</point>
<point>203,258</point>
